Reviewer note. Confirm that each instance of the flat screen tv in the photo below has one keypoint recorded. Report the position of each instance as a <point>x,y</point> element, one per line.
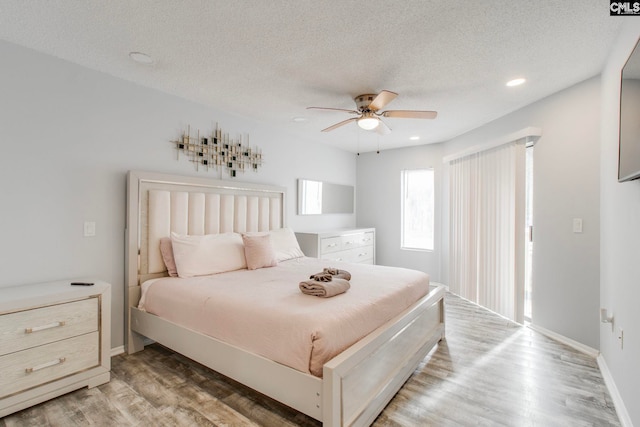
<point>629,154</point>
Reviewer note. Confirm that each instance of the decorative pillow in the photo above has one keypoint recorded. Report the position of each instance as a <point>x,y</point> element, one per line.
<point>208,254</point>
<point>259,251</point>
<point>285,244</point>
<point>166,249</point>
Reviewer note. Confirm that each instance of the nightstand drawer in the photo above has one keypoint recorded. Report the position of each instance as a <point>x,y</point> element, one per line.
<point>30,328</point>
<point>33,367</point>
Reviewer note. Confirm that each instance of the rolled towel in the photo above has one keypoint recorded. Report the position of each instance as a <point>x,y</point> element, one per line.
<point>324,289</point>
<point>321,277</point>
<point>337,273</point>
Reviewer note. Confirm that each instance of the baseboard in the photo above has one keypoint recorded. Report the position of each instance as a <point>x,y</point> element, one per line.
<point>621,409</point>
<point>568,341</point>
<point>117,350</point>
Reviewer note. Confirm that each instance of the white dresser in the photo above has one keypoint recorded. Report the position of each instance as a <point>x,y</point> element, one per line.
<point>54,338</point>
<point>349,245</point>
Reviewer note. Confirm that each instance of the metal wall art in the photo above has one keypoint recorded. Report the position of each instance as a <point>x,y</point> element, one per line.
<point>219,151</point>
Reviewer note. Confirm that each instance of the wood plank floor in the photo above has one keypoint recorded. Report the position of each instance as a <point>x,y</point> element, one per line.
<point>488,372</point>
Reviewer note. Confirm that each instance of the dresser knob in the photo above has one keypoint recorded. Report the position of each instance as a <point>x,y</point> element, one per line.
<point>46,365</point>
<point>43,327</point>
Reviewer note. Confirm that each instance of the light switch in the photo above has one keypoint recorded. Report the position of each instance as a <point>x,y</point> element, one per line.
<point>577,225</point>
<point>89,229</point>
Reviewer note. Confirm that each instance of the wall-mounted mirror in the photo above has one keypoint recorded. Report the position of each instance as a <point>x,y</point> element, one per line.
<point>318,197</point>
<point>629,152</point>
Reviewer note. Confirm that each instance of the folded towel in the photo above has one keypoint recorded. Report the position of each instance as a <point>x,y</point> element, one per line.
<point>321,277</point>
<point>324,289</point>
<point>335,272</point>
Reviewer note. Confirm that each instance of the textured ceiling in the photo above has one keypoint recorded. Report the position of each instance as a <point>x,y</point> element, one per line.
<point>269,60</point>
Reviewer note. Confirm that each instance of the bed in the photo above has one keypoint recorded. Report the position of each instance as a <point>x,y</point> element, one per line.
<point>350,387</point>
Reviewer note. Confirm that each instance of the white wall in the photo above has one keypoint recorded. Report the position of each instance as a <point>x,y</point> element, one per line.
<point>378,201</point>
<point>566,186</point>
<point>620,238</point>
<point>70,134</point>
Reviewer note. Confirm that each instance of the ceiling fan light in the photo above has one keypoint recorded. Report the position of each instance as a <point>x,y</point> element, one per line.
<point>368,123</point>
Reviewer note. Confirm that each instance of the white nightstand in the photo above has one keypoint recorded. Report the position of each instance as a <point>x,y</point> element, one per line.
<point>54,338</point>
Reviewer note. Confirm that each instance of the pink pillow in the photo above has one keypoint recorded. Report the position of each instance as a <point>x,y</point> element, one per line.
<point>259,251</point>
<point>166,249</point>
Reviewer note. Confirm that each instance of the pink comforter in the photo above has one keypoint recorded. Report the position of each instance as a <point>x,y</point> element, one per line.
<point>264,312</point>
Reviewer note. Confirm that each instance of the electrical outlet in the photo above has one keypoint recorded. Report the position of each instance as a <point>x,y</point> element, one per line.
<point>577,225</point>
<point>89,229</point>
<point>621,338</point>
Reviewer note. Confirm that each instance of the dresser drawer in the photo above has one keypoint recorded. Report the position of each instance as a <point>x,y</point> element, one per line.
<point>363,255</point>
<point>335,256</point>
<point>30,328</point>
<point>330,244</point>
<point>351,241</point>
<point>35,366</point>
<point>339,245</point>
<point>366,239</point>
<point>357,240</point>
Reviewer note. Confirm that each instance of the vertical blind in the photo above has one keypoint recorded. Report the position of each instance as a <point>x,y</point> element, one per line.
<point>487,191</point>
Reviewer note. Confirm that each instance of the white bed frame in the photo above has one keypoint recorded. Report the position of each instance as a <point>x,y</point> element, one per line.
<point>356,385</point>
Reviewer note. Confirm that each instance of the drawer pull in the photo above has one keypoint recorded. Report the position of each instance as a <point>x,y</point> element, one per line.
<point>46,365</point>
<point>332,245</point>
<point>362,254</point>
<point>44,327</point>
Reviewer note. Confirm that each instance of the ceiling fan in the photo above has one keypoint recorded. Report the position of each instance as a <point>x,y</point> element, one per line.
<point>368,118</point>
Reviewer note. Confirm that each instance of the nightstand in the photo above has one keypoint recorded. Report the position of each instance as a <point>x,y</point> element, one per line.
<point>54,338</point>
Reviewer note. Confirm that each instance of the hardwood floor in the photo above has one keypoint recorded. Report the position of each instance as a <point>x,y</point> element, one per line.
<point>488,372</point>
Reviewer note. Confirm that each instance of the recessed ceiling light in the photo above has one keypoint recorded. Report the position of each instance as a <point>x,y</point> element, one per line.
<point>516,82</point>
<point>299,119</point>
<point>414,138</point>
<point>141,58</point>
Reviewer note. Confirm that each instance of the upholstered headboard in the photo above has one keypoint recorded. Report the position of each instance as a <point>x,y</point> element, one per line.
<point>158,204</point>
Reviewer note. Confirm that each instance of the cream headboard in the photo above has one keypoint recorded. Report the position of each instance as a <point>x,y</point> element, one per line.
<point>158,204</point>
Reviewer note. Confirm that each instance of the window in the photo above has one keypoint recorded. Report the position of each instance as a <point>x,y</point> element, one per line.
<point>417,209</point>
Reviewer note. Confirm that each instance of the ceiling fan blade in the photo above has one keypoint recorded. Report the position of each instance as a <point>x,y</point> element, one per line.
<point>337,125</point>
<point>382,128</point>
<point>382,99</point>
<point>333,109</point>
<point>410,114</point>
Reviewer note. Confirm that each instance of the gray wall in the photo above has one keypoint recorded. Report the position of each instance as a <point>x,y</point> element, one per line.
<point>620,239</point>
<point>566,186</point>
<point>378,204</point>
<point>70,134</point>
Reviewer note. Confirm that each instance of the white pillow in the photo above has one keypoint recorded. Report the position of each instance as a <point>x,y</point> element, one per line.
<point>208,254</point>
<point>285,244</point>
